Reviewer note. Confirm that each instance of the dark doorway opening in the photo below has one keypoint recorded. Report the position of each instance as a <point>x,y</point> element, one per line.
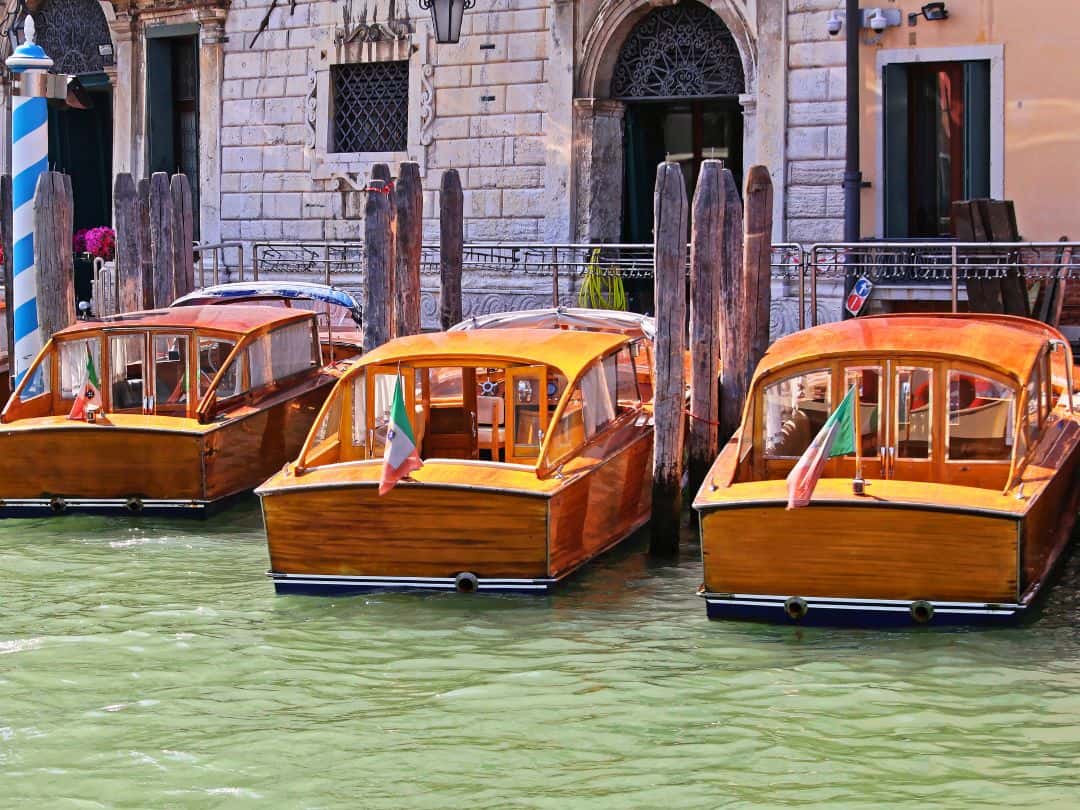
<point>686,132</point>
<point>172,76</point>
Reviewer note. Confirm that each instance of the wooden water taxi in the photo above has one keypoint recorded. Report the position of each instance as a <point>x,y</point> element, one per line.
<point>537,456</point>
<point>970,447</point>
<point>195,404</point>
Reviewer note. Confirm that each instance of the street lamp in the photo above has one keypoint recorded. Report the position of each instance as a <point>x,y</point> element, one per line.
<point>446,17</point>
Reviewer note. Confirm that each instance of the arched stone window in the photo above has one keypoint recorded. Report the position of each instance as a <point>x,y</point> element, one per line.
<point>679,51</point>
<point>71,33</point>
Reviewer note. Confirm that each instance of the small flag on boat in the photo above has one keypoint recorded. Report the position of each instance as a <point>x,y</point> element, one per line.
<point>89,393</point>
<point>400,457</point>
<point>836,438</point>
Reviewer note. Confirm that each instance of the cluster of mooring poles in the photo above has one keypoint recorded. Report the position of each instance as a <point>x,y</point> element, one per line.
<point>393,236</point>
<point>730,299</point>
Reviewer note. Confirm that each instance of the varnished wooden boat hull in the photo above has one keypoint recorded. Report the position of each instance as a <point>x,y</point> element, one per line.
<point>878,565</point>
<point>345,537</point>
<point>127,469</point>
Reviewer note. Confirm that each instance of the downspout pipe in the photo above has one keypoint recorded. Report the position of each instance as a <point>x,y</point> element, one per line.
<point>852,172</point>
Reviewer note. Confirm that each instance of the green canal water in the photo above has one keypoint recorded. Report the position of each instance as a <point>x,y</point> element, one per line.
<point>148,664</point>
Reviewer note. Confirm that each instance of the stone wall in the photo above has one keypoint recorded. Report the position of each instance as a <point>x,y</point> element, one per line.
<point>815,132</point>
<point>481,107</point>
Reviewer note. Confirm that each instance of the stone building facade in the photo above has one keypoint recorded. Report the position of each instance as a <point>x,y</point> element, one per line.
<point>540,107</point>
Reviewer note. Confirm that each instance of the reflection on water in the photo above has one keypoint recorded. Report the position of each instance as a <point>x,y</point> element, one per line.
<point>148,664</point>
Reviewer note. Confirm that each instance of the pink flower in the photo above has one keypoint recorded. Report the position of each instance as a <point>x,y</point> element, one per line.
<point>78,241</point>
<point>101,242</point>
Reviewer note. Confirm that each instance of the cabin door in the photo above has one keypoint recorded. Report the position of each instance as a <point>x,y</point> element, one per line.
<point>527,413</point>
<point>912,398</point>
<point>870,379</point>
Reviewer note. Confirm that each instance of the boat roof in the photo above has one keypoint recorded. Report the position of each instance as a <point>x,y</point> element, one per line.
<point>272,289</point>
<point>1007,343</point>
<point>569,352</point>
<point>239,318</point>
<point>606,320</point>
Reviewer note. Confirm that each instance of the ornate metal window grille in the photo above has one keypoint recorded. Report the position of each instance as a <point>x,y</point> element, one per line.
<point>371,107</point>
<point>679,51</point>
<point>72,33</point>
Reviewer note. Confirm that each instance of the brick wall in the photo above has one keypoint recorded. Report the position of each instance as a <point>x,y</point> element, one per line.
<point>816,132</point>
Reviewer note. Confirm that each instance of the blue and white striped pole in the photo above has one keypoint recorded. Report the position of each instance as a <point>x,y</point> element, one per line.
<point>29,158</point>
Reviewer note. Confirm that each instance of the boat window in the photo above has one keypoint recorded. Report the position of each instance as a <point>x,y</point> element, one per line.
<point>39,381</point>
<point>528,391</point>
<point>212,353</point>
<point>569,432</point>
<point>73,355</point>
<point>127,371</point>
<point>1047,386</point>
<point>382,384</point>
<point>359,411</point>
<point>598,399</point>
<point>622,379</point>
<point>795,410</point>
<point>914,395</point>
<point>868,380</point>
<point>446,382</point>
<point>982,413</point>
<point>1034,405</point>
<point>171,384</point>
<point>330,424</point>
<point>293,348</point>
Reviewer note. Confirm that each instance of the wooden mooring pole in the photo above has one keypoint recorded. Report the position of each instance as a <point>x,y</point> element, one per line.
<point>146,254</point>
<point>757,266</point>
<point>409,204</point>
<point>378,269</point>
<point>128,260</point>
<point>669,213</point>
<point>734,334</point>
<point>183,235</point>
<point>707,223</point>
<point>162,244</point>
<point>451,247</point>
<point>382,178</point>
<point>53,217</point>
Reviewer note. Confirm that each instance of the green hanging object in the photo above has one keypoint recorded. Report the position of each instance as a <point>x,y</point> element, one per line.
<point>601,287</point>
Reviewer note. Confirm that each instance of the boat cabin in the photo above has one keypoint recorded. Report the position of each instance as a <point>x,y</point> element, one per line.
<point>939,400</point>
<point>191,362</point>
<point>518,396</point>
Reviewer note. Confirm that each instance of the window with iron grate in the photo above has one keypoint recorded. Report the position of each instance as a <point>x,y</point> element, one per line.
<point>371,107</point>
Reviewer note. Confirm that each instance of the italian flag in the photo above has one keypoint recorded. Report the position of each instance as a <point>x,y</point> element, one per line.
<point>836,438</point>
<point>400,457</point>
<point>89,392</point>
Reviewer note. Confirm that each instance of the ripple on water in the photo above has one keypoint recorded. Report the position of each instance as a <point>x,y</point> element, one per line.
<point>149,664</point>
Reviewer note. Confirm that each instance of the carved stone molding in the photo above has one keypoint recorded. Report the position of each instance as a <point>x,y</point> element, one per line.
<point>427,105</point>
<point>311,107</point>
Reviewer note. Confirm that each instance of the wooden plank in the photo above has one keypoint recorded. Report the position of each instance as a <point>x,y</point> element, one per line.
<point>757,265</point>
<point>734,383</point>
<point>669,401</point>
<point>53,214</point>
<point>409,206</point>
<point>142,190</point>
<point>707,221</point>
<point>983,295</point>
<point>378,268</point>
<point>860,552</point>
<point>128,260</point>
<point>6,244</point>
<point>162,246</point>
<point>999,219</point>
<point>451,247</point>
<point>183,235</point>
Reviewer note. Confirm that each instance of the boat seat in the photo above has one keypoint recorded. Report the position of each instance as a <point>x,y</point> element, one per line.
<point>491,423</point>
<point>127,395</point>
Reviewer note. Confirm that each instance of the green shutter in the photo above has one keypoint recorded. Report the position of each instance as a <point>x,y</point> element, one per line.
<point>976,130</point>
<point>159,105</point>
<point>895,150</point>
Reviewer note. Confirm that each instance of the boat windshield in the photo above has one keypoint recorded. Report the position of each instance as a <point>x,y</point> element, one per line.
<point>491,413</point>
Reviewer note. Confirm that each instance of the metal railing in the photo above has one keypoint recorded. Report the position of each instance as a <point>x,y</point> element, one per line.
<point>215,253</point>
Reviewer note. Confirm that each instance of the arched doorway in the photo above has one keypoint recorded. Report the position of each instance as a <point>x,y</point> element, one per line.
<point>679,74</point>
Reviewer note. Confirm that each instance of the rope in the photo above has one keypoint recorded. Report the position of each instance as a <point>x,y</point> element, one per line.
<point>385,188</point>
<point>700,418</point>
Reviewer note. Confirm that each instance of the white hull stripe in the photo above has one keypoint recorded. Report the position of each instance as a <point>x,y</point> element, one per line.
<point>426,583</point>
<point>46,503</point>
<point>872,605</point>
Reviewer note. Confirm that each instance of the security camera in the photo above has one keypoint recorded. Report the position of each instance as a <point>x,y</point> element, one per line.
<point>878,21</point>
<point>834,23</point>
